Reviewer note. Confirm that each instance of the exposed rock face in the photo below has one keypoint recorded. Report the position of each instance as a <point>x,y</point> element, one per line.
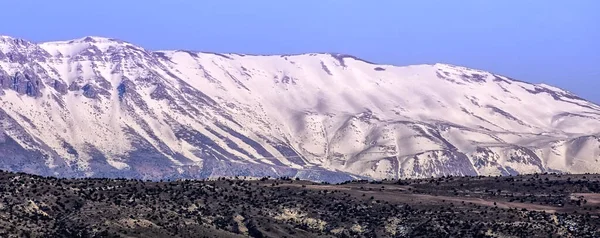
<point>103,107</point>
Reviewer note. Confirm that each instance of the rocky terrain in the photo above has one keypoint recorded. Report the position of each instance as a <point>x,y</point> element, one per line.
<point>540,205</point>
<point>101,107</point>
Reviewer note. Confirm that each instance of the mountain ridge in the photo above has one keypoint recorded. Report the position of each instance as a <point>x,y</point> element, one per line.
<point>224,54</point>
<point>328,117</point>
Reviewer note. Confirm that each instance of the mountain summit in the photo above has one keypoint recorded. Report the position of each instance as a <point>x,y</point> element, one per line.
<point>107,108</point>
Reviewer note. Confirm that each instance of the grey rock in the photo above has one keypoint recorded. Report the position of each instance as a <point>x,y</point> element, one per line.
<point>160,93</point>
<point>74,86</point>
<point>27,83</point>
<point>89,91</point>
<point>60,87</point>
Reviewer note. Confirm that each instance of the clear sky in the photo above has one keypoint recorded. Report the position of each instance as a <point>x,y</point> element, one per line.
<point>549,41</point>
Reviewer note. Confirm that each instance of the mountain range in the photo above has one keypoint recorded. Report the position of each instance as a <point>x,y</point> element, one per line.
<point>101,107</point>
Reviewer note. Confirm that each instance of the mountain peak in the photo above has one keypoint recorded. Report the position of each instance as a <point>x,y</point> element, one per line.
<point>89,40</point>
<point>97,39</point>
<point>5,39</point>
<point>105,107</point>
<point>94,44</point>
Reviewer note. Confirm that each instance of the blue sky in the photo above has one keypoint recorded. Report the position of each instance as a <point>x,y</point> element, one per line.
<point>555,42</point>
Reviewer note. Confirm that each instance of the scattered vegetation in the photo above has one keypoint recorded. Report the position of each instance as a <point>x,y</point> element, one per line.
<point>519,206</point>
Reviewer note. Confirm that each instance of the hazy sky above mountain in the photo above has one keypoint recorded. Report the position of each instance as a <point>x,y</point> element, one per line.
<point>555,42</point>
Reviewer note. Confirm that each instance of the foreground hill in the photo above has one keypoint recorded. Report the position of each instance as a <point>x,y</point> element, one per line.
<point>107,108</point>
<point>515,206</point>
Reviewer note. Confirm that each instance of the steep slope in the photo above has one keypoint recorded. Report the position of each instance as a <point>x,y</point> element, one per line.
<point>103,107</point>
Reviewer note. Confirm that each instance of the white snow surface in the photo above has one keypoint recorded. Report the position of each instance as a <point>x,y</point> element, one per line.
<point>334,112</point>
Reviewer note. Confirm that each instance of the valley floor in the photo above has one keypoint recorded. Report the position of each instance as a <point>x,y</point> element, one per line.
<point>539,205</point>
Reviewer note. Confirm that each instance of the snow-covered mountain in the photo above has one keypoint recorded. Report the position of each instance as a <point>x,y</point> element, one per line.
<point>104,107</point>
